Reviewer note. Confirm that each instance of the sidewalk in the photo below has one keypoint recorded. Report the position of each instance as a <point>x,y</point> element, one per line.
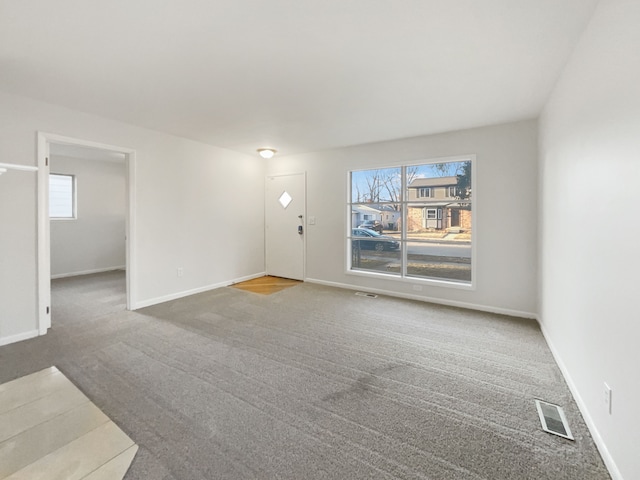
<point>434,236</point>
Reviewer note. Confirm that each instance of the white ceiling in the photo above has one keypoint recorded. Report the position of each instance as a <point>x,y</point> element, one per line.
<point>297,75</point>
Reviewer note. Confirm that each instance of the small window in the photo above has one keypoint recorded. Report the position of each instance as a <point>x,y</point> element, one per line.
<point>451,192</point>
<point>432,213</point>
<point>62,193</point>
<point>424,192</point>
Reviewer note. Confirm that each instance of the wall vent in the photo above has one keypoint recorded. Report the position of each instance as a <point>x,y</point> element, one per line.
<point>553,419</point>
<point>365,294</point>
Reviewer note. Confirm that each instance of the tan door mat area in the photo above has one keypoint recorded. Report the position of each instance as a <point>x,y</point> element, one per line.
<point>266,285</point>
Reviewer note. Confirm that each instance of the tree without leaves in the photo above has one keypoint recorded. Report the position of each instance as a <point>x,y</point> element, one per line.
<point>374,185</point>
<point>392,185</point>
<point>412,174</point>
<point>379,184</point>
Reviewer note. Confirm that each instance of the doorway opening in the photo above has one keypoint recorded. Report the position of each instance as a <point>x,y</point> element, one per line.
<point>85,228</point>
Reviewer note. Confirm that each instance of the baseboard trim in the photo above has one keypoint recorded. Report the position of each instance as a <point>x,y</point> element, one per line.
<point>439,301</point>
<point>602,447</point>
<point>87,272</point>
<point>186,293</point>
<point>19,337</point>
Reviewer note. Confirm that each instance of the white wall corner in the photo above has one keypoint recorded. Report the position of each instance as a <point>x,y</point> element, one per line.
<point>595,434</point>
<point>88,272</point>
<point>186,293</point>
<point>19,337</point>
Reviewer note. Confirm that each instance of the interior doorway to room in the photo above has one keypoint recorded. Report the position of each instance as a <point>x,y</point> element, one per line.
<point>285,219</point>
<point>85,210</point>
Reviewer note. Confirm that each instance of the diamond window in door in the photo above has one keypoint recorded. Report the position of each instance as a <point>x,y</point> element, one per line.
<point>285,199</point>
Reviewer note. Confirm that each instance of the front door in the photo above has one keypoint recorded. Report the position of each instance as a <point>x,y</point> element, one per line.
<point>455,217</point>
<point>285,225</point>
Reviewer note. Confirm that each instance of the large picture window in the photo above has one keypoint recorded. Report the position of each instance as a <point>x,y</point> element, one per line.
<point>413,221</point>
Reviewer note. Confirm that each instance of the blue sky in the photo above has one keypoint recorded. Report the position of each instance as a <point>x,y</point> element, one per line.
<point>389,179</point>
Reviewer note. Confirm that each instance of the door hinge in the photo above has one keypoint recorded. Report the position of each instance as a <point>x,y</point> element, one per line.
<point>46,161</point>
<point>47,310</point>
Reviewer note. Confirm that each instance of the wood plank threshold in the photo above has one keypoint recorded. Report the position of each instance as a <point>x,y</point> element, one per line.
<point>50,430</point>
<point>266,285</point>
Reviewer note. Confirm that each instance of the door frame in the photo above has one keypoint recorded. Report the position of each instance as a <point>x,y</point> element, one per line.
<point>305,223</point>
<point>44,141</point>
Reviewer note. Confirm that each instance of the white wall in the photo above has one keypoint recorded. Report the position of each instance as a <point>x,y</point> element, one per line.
<point>95,239</point>
<point>590,172</point>
<point>18,301</point>
<point>505,210</point>
<point>198,207</point>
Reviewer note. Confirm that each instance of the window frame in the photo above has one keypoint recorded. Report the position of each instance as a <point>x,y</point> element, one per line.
<point>403,277</point>
<point>74,197</point>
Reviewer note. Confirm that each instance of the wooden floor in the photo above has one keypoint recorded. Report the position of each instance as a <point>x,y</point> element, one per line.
<point>50,430</point>
<point>266,285</point>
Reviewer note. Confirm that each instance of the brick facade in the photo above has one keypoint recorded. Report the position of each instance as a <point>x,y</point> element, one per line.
<point>415,218</point>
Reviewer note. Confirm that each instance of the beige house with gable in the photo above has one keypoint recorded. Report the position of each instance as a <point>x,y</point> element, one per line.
<point>435,206</point>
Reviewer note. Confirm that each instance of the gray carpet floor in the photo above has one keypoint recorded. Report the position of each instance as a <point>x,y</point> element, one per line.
<point>311,383</point>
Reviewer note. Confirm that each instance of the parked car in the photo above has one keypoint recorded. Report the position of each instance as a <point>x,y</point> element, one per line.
<point>374,225</point>
<point>367,239</point>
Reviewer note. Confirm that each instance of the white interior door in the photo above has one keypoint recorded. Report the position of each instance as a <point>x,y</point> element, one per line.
<point>285,225</point>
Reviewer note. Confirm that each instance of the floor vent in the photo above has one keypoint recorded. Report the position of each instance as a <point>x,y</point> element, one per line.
<point>553,419</point>
<point>365,294</point>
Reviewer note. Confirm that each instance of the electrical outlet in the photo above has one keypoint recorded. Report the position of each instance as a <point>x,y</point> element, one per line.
<point>180,271</point>
<point>607,397</point>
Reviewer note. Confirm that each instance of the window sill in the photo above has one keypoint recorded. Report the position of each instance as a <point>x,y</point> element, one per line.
<point>431,282</point>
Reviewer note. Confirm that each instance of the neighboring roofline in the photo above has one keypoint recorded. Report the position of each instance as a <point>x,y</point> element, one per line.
<point>365,207</point>
<point>434,182</point>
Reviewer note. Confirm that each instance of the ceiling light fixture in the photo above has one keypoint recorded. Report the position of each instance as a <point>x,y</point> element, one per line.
<point>267,152</point>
